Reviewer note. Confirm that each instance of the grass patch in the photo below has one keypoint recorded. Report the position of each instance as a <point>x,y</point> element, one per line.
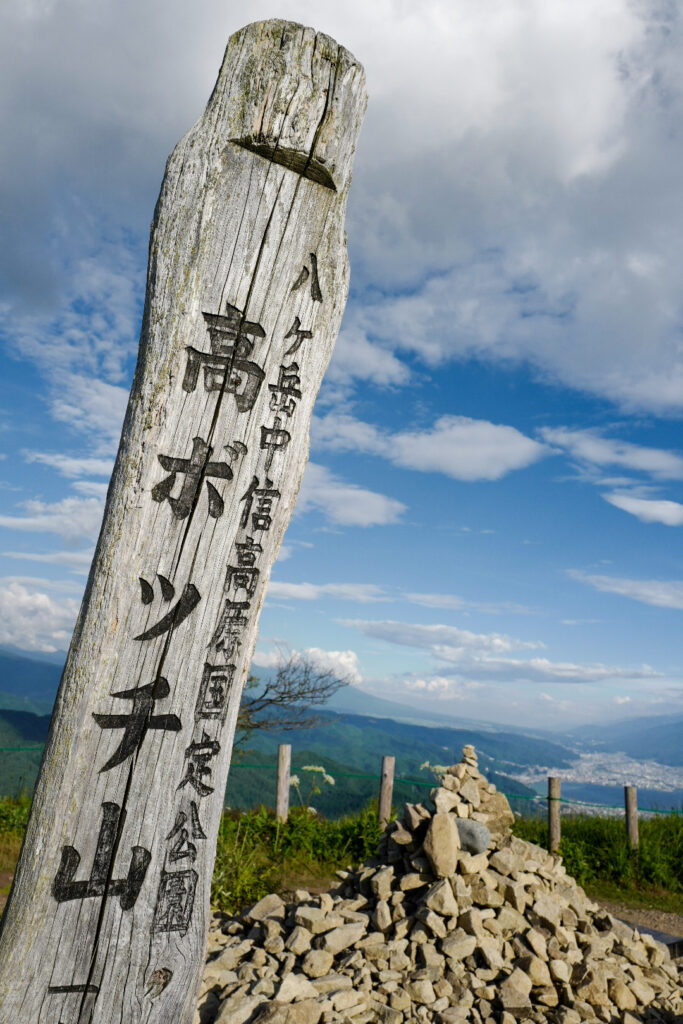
<point>10,846</point>
<point>597,850</point>
<point>13,821</point>
<point>256,854</point>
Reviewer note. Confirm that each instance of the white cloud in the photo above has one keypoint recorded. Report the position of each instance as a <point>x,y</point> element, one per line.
<point>34,621</point>
<point>648,510</point>
<point>453,602</point>
<point>660,593</point>
<point>466,449</point>
<point>74,519</point>
<point>457,446</point>
<point>591,447</point>
<point>344,503</point>
<point>343,663</point>
<point>363,593</point>
<point>83,348</point>
<point>444,637</point>
<point>518,182</point>
<point>72,465</point>
<point>467,656</point>
<point>76,561</point>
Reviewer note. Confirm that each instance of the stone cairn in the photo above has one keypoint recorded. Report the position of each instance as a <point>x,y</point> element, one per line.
<point>455,920</point>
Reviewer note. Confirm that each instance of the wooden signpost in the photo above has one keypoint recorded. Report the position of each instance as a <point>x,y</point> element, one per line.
<point>247,283</point>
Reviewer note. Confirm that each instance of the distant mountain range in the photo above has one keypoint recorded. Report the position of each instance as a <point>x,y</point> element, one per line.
<point>657,738</point>
<point>354,731</point>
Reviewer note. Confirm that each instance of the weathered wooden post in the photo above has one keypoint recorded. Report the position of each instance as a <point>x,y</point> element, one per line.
<point>631,808</point>
<point>284,761</point>
<point>386,790</point>
<point>554,833</point>
<point>247,283</point>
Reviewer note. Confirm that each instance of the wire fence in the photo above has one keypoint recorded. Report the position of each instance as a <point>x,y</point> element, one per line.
<point>536,798</point>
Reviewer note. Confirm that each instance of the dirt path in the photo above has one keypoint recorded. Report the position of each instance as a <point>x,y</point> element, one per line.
<point>657,920</point>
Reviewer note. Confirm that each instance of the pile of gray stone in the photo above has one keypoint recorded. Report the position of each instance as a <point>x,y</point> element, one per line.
<point>455,920</point>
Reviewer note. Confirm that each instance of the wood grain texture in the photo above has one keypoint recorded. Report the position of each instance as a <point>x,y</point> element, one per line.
<point>247,282</point>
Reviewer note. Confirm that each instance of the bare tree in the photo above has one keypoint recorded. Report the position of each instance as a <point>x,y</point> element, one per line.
<point>285,701</point>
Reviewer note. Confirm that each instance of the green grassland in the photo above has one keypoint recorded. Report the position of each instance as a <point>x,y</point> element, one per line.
<point>256,854</point>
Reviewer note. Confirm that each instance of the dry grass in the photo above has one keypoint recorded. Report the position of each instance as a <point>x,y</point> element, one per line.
<point>10,845</point>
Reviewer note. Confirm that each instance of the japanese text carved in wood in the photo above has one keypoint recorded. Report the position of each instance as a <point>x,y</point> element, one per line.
<point>247,282</point>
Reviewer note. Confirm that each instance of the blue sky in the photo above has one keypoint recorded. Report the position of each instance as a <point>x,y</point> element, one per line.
<point>491,519</point>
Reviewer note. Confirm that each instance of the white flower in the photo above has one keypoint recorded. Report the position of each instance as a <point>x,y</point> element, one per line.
<point>314,768</point>
<point>294,780</point>
<point>312,810</point>
<point>328,779</point>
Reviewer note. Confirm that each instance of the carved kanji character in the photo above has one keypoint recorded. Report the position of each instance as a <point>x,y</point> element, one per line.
<point>140,719</point>
<point>274,439</point>
<point>228,367</point>
<point>238,579</point>
<point>214,691</point>
<point>198,755</point>
<point>247,551</point>
<point>299,335</point>
<point>175,901</point>
<point>286,391</point>
<point>189,600</point>
<point>194,469</point>
<point>127,889</point>
<point>303,277</point>
<point>183,848</point>
<point>264,497</point>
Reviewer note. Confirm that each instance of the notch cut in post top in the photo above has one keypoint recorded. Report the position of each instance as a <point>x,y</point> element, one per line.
<point>294,110</point>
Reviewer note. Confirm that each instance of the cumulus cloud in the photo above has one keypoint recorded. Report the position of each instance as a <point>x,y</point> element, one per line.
<point>492,214</point>
<point>459,447</point>
<point>648,510</point>
<point>343,503</point>
<point>344,663</point>
<point>32,620</point>
<point>660,593</point>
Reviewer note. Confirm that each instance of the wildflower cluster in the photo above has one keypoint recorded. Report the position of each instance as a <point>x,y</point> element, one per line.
<point>316,770</point>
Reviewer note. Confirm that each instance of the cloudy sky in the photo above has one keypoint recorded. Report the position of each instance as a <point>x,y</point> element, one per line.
<point>491,520</point>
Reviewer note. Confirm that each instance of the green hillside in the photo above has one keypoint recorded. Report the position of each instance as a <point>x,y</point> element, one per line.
<point>27,679</point>
<point>349,747</point>
<point>20,730</point>
<point>362,740</point>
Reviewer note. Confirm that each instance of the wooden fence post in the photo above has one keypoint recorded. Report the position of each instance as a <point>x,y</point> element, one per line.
<point>386,789</point>
<point>631,806</point>
<point>554,790</point>
<point>246,287</point>
<point>284,761</point>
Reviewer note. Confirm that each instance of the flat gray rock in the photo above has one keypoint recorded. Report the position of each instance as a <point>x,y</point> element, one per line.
<point>474,835</point>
